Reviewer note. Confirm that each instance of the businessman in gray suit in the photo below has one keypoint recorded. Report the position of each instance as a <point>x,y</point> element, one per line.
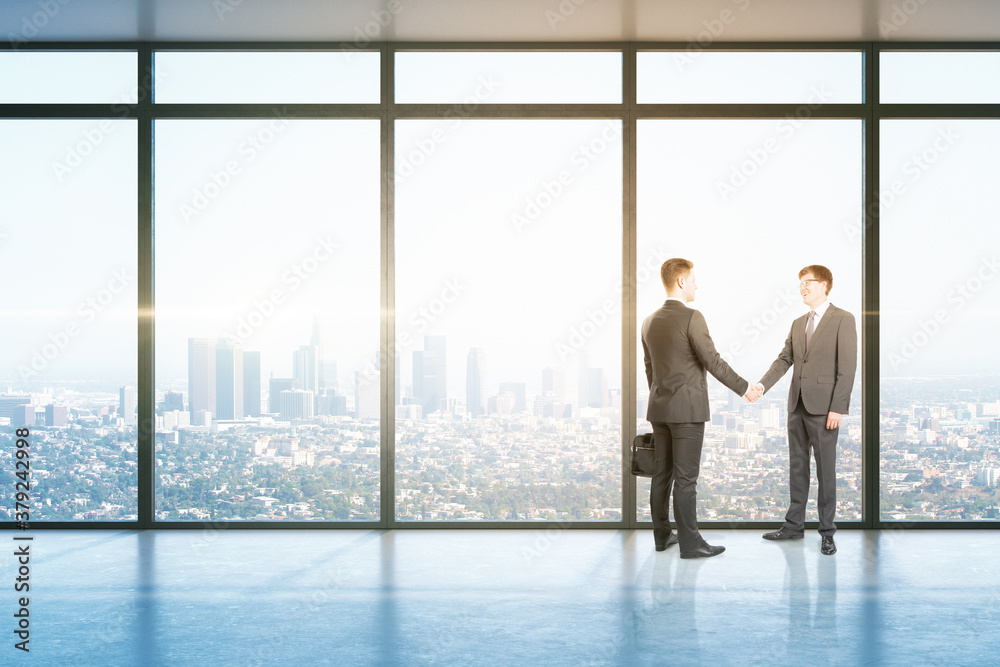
<point>822,350</point>
<point>678,351</point>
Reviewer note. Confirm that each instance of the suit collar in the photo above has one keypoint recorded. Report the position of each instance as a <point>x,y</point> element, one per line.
<point>822,309</point>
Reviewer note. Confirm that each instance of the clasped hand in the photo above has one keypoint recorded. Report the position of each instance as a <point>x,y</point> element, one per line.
<point>754,392</point>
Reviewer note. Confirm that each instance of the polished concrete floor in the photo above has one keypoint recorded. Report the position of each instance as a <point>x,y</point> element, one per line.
<point>504,597</point>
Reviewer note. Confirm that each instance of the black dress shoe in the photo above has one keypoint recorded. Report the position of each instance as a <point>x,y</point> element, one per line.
<point>662,546</point>
<point>828,548</point>
<point>783,534</point>
<point>704,551</point>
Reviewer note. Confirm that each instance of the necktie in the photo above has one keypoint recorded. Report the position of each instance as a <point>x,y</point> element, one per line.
<point>810,328</point>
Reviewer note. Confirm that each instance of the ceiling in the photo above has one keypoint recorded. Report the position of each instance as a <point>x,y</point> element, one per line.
<point>358,21</point>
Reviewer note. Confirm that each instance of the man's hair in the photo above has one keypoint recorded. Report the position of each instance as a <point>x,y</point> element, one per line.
<point>672,269</point>
<point>819,272</point>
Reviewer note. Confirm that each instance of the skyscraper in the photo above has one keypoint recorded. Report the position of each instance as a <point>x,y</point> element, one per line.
<point>126,404</point>
<point>228,381</point>
<point>430,374</point>
<point>597,388</point>
<point>296,404</point>
<point>274,388</point>
<point>251,383</point>
<point>173,400</point>
<point>326,366</point>
<point>305,367</point>
<point>201,375</point>
<point>321,336</point>
<point>553,380</point>
<point>475,382</point>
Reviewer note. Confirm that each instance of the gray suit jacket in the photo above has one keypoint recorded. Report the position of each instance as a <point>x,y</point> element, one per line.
<point>825,376</point>
<point>678,352</point>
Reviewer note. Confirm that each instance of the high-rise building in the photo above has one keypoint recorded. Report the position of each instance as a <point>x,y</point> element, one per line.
<point>331,403</point>
<point>274,388</point>
<point>173,419</point>
<point>367,401</point>
<point>23,415</point>
<point>554,381</point>
<point>56,415</point>
<point>475,382</point>
<point>430,374</point>
<point>201,376</point>
<point>297,404</point>
<point>251,383</point>
<point>321,336</point>
<point>228,381</point>
<point>126,404</point>
<point>518,390</point>
<point>770,416</point>
<point>11,404</point>
<point>173,400</point>
<point>502,403</point>
<point>597,388</point>
<point>305,368</point>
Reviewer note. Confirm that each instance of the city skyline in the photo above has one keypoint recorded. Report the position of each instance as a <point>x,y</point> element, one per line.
<point>940,458</point>
<point>224,381</point>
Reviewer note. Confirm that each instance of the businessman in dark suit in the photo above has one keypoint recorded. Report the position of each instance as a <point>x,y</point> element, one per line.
<point>822,350</point>
<point>678,351</point>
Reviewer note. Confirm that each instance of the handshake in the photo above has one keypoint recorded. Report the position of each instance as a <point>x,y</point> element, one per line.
<point>754,392</point>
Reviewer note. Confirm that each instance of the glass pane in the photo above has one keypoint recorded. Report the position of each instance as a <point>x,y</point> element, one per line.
<point>508,298</point>
<point>733,197</point>
<point>79,77</point>
<point>267,319</point>
<point>68,341</point>
<point>304,77</point>
<point>939,77</point>
<point>468,79</point>
<point>940,377</point>
<point>718,77</point>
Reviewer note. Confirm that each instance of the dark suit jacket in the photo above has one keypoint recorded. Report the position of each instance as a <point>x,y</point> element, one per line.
<point>678,352</point>
<point>825,376</point>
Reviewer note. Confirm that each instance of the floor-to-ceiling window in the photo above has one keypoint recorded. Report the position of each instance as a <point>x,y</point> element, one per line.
<point>267,263</point>
<point>68,271</point>
<point>751,201</point>
<point>939,407</point>
<point>508,246</point>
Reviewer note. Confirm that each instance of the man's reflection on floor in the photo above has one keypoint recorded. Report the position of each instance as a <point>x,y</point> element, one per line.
<point>812,607</point>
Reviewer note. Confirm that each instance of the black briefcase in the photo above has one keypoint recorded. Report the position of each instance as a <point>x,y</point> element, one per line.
<point>643,455</point>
